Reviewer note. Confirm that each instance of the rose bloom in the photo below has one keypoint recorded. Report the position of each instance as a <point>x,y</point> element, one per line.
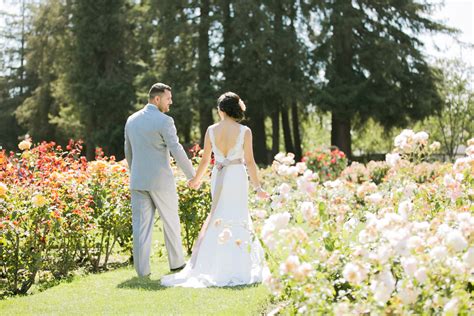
<point>468,258</point>
<point>290,265</point>
<point>392,159</point>
<point>3,189</point>
<point>38,200</point>
<point>353,274</point>
<point>456,240</point>
<point>24,145</point>
<point>284,188</point>
<point>435,146</point>
<point>307,209</point>
<point>421,275</point>
<point>409,265</point>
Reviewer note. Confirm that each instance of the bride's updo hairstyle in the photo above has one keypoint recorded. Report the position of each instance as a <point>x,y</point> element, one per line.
<point>231,104</point>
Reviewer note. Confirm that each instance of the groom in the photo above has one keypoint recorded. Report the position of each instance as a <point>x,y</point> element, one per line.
<point>150,136</point>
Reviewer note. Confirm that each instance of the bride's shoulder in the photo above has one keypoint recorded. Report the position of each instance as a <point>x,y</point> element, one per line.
<point>212,126</point>
<point>245,128</point>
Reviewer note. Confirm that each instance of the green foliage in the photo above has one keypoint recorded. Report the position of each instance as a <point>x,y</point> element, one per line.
<point>194,206</point>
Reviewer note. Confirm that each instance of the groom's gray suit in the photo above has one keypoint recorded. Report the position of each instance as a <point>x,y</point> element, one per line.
<point>150,136</point>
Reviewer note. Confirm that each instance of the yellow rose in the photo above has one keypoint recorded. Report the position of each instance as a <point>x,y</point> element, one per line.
<point>38,200</point>
<point>3,189</point>
<point>24,145</point>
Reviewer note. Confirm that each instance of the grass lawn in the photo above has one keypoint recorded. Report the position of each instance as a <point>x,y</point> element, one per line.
<point>120,292</point>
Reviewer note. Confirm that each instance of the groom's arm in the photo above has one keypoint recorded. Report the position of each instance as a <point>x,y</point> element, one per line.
<point>128,150</point>
<point>171,139</point>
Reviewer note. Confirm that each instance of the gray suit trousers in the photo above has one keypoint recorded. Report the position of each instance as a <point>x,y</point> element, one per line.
<point>144,204</point>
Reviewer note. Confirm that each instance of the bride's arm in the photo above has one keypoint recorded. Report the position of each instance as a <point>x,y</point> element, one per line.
<point>251,165</point>
<point>204,163</point>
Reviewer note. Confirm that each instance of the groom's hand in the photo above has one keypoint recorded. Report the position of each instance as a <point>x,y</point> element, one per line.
<point>194,183</point>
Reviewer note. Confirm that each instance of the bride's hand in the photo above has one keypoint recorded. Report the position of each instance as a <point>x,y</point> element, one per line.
<point>262,194</point>
<point>194,183</point>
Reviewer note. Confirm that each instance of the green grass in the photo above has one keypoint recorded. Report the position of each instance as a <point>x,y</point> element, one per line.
<point>120,292</point>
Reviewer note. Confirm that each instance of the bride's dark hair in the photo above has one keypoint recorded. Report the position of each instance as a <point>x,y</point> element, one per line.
<point>231,104</point>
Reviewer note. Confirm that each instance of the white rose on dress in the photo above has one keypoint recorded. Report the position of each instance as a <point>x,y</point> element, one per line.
<point>225,236</point>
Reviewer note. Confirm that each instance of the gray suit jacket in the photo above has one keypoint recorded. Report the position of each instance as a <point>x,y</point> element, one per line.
<point>150,136</point>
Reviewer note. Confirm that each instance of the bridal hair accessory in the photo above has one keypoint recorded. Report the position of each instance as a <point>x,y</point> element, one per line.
<point>242,105</point>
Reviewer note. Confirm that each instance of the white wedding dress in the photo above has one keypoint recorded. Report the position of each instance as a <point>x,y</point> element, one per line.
<point>226,253</point>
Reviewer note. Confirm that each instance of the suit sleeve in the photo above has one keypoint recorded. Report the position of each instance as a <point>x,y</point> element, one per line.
<point>128,149</point>
<point>171,139</point>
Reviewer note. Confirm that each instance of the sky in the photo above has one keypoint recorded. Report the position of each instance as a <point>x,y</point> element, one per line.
<point>455,13</point>
<point>458,14</point>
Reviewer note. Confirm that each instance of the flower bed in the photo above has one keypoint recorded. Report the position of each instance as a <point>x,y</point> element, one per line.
<point>59,212</point>
<point>393,237</point>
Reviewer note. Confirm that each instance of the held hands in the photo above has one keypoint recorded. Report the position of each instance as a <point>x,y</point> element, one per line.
<point>194,183</point>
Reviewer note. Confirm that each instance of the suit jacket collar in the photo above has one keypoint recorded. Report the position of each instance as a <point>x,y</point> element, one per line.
<point>151,107</point>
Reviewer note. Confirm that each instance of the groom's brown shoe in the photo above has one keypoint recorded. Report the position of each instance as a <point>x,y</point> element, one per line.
<point>178,268</point>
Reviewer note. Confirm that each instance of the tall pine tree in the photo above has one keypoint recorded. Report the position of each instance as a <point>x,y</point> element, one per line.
<point>372,62</point>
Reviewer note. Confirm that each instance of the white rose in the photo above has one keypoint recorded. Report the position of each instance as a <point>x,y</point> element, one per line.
<point>405,208</point>
<point>374,198</point>
<point>24,145</point>
<point>284,189</point>
<point>468,257</point>
<point>279,157</point>
<point>382,286</point>
<point>421,137</point>
<point>438,253</point>
<point>456,240</point>
<point>307,209</point>
<point>290,265</point>
<point>409,265</point>
<point>301,166</point>
<point>407,292</point>
<point>279,220</point>
<point>353,274</point>
<point>421,275</point>
<point>435,146</point>
<point>392,159</point>
<point>451,307</point>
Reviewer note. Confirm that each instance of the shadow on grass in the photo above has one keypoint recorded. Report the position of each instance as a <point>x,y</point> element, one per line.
<point>155,285</point>
<point>142,283</point>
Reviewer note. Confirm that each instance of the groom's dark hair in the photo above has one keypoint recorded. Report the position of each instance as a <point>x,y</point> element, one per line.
<point>157,89</point>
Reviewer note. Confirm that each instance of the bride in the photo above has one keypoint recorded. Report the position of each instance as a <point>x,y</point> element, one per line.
<point>226,252</point>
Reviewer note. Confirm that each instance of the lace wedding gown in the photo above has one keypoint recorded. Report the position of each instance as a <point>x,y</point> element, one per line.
<point>226,252</point>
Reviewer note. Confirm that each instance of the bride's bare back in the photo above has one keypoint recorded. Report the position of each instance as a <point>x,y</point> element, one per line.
<point>226,136</point>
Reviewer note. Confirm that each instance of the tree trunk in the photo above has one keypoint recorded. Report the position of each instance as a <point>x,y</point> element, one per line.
<point>228,62</point>
<point>275,132</point>
<point>296,132</point>
<point>259,138</point>
<point>204,72</point>
<point>341,134</point>
<point>285,120</point>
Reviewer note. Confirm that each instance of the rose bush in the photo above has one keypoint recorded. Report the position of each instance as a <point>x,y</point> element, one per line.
<point>59,212</point>
<point>393,237</point>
